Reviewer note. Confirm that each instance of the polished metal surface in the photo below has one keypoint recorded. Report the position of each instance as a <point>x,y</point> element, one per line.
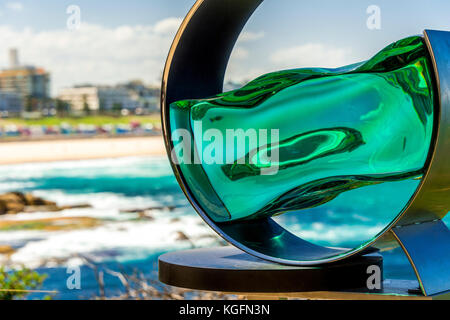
<point>228,269</point>
<point>427,246</point>
<point>195,68</point>
<point>432,200</point>
<point>422,235</point>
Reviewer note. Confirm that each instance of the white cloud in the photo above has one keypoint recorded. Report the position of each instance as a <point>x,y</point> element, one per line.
<point>168,26</point>
<point>239,53</point>
<point>94,53</point>
<point>244,67</point>
<point>14,6</point>
<point>248,36</point>
<point>239,69</point>
<point>108,55</point>
<point>312,55</point>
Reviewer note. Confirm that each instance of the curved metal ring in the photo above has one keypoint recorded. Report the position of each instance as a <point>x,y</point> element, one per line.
<point>195,68</point>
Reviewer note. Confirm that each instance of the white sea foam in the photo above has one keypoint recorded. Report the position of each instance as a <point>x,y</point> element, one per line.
<point>10,186</point>
<point>104,206</point>
<point>119,237</point>
<point>127,240</point>
<point>334,235</point>
<point>120,233</point>
<point>100,200</point>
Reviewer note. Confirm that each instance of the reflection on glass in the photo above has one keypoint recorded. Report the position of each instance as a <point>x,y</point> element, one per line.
<point>352,144</point>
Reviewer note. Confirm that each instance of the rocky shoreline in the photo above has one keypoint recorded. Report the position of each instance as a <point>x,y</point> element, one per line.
<point>18,202</point>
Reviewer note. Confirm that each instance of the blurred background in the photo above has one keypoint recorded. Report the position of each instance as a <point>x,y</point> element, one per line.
<point>87,197</point>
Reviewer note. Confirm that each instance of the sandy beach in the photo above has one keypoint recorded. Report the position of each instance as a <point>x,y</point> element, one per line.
<point>79,149</point>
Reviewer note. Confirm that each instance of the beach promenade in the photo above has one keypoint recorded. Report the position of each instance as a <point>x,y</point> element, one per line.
<point>80,149</point>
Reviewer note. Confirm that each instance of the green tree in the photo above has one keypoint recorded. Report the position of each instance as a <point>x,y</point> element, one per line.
<point>117,107</point>
<point>101,107</point>
<point>28,103</point>
<point>86,108</point>
<point>15,284</point>
<point>61,107</point>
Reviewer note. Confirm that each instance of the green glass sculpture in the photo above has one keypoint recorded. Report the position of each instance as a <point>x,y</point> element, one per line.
<point>337,153</point>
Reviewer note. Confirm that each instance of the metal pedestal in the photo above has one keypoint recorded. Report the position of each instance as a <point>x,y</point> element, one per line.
<point>229,270</point>
<point>427,246</point>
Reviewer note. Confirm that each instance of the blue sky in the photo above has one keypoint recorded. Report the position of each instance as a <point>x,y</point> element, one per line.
<point>120,40</point>
<point>50,14</point>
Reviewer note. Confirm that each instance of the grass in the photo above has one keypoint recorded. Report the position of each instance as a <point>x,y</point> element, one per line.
<point>90,120</point>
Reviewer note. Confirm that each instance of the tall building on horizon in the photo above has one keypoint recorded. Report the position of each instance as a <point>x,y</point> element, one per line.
<point>28,81</point>
<point>13,58</point>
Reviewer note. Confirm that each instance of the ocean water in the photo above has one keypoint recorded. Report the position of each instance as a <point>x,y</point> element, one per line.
<point>122,241</point>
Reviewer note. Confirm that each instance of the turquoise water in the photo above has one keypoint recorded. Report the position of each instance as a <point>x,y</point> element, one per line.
<point>109,186</point>
<point>122,183</point>
<point>128,177</point>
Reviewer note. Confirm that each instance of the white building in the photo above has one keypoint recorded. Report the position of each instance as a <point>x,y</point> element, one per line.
<point>96,98</point>
<point>147,97</point>
<point>11,103</point>
<point>26,80</point>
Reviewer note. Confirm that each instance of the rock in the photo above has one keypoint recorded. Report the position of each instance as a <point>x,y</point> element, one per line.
<point>181,236</point>
<point>76,206</point>
<point>169,208</point>
<point>144,216</point>
<point>53,208</point>
<point>20,196</point>
<point>13,197</point>
<point>16,202</point>
<point>33,209</point>
<point>14,207</point>
<point>31,200</point>
<point>5,249</point>
<point>3,207</point>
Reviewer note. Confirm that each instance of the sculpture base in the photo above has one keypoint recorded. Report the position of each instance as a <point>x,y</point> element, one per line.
<point>227,269</point>
<point>427,246</point>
